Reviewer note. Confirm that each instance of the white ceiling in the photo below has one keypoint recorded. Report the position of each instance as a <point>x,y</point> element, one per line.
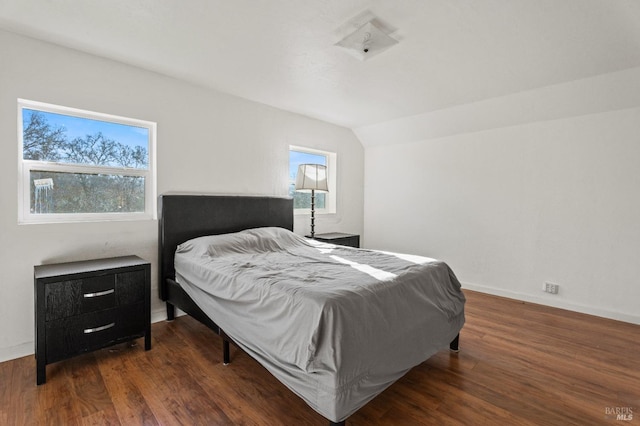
<point>282,53</point>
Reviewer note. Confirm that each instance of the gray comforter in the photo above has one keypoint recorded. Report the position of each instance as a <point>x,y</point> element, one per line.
<point>336,325</point>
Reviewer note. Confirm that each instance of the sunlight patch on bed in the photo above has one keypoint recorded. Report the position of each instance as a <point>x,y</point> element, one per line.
<point>376,273</point>
<point>322,247</point>
<point>325,250</point>
<point>418,260</point>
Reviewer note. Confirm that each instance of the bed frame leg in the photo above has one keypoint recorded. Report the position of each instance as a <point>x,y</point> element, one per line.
<point>171,312</point>
<point>454,346</point>
<point>342,423</point>
<point>226,359</point>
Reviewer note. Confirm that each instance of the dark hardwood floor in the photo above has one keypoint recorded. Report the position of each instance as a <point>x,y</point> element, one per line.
<point>520,364</point>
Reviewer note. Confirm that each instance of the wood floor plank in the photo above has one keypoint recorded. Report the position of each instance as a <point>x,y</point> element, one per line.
<point>117,370</point>
<point>87,386</point>
<point>519,364</point>
<point>181,392</point>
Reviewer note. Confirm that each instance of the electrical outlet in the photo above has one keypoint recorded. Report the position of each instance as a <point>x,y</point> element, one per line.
<point>550,287</point>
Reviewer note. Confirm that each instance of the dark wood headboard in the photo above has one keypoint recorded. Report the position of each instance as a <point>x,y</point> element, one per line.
<point>183,217</point>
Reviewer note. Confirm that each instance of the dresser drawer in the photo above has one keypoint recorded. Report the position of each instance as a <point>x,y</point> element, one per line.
<point>74,297</point>
<point>70,336</point>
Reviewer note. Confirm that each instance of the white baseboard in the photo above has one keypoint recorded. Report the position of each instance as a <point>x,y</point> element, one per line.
<point>19,351</point>
<point>561,304</point>
<point>158,315</point>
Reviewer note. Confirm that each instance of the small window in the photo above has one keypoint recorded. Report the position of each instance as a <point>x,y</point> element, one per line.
<point>325,201</point>
<point>83,166</point>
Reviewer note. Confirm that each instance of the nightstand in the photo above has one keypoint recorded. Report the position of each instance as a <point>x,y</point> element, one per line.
<point>351,240</point>
<point>88,305</point>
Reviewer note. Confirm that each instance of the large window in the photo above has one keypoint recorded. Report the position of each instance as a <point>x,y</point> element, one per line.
<point>325,201</point>
<point>79,165</point>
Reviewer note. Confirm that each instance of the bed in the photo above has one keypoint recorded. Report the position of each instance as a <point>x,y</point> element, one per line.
<point>336,325</point>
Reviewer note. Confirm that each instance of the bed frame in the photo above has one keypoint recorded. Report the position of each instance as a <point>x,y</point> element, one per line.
<point>186,216</point>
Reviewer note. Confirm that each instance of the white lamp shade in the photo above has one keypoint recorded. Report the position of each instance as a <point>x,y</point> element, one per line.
<point>311,176</point>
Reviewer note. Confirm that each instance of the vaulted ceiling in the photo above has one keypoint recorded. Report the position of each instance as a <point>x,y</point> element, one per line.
<point>282,53</point>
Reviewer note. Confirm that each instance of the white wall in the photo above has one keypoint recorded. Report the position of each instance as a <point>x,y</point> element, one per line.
<point>207,142</point>
<point>512,204</point>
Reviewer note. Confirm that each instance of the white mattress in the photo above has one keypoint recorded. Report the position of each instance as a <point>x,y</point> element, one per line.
<point>337,325</point>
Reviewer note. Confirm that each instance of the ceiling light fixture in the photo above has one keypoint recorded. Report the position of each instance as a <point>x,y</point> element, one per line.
<point>367,41</point>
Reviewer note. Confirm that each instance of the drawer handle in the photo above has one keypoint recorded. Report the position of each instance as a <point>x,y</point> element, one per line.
<point>101,328</point>
<point>99,293</point>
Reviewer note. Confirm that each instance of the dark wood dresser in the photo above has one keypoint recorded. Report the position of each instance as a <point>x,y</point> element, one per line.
<point>340,238</point>
<point>88,305</point>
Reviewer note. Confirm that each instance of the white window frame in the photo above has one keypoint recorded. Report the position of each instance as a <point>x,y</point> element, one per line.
<point>26,166</point>
<point>332,167</point>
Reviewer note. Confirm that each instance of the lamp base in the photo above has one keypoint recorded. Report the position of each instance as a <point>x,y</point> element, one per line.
<point>313,211</point>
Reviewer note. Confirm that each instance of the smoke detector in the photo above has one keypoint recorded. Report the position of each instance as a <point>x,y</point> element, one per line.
<point>367,41</point>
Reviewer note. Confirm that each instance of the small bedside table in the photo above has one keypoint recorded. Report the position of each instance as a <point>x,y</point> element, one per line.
<point>88,305</point>
<point>351,240</point>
